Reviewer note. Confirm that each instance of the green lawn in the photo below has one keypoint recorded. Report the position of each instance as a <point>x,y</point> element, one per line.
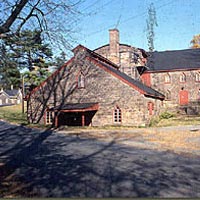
<point>13,114</point>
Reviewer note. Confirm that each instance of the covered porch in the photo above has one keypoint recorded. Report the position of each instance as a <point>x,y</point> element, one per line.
<point>77,114</point>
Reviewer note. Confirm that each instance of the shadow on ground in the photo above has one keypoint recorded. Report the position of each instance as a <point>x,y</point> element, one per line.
<point>49,164</point>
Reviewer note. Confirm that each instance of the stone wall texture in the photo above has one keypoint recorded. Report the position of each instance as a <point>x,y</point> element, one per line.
<point>172,88</point>
<point>100,87</point>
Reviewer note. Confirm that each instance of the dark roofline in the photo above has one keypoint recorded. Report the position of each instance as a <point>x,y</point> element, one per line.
<point>96,55</point>
<point>112,69</point>
<point>137,85</point>
<point>172,70</point>
<point>12,93</point>
<point>174,60</point>
<point>3,92</point>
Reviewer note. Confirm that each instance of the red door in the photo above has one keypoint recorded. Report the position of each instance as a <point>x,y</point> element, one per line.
<point>183,97</point>
<point>146,79</point>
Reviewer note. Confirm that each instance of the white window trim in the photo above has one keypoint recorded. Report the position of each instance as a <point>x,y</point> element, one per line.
<point>49,117</point>
<point>117,115</point>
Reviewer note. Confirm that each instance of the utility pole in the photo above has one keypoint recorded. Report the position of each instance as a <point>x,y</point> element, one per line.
<point>22,94</point>
<point>151,23</point>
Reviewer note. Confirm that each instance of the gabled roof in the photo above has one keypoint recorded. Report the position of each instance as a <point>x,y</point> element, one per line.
<point>4,93</point>
<point>174,60</point>
<point>113,69</point>
<point>12,93</point>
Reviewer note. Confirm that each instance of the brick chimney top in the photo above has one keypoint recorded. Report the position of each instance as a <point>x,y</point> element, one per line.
<point>114,45</point>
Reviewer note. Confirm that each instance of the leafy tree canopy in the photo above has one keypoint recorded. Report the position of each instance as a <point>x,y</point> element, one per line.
<point>28,52</point>
<point>195,41</point>
<point>9,72</point>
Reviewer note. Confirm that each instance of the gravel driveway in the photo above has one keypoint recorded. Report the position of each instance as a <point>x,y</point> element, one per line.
<point>55,164</point>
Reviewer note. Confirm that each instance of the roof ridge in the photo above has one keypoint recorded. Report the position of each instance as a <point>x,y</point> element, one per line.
<point>136,84</point>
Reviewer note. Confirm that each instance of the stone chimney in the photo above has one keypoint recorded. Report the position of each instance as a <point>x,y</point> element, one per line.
<point>114,46</point>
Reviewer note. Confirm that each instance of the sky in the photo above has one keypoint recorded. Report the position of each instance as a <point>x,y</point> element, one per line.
<point>178,21</point>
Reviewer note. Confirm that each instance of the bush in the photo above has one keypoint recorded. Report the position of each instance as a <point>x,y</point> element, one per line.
<point>154,121</point>
<point>166,115</point>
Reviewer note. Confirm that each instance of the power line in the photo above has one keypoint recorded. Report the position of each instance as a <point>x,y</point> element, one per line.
<point>120,16</point>
<point>128,19</point>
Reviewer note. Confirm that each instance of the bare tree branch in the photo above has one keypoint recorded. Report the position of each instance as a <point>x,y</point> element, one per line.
<point>8,23</point>
<point>29,16</point>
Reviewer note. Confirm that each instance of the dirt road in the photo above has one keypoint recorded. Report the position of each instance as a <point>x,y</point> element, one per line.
<point>56,164</point>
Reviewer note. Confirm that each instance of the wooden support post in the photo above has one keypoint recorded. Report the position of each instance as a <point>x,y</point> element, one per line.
<point>56,120</point>
<point>83,119</point>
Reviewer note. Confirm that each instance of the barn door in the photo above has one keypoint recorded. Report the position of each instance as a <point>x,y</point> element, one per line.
<point>183,97</point>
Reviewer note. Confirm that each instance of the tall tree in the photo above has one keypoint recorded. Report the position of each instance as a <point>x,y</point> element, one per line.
<point>29,48</point>
<point>195,41</point>
<point>151,24</point>
<point>9,72</point>
<point>30,53</point>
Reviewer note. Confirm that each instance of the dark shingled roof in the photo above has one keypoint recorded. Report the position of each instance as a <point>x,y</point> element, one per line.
<point>148,91</point>
<point>174,60</point>
<point>111,67</point>
<point>12,93</point>
<point>74,106</point>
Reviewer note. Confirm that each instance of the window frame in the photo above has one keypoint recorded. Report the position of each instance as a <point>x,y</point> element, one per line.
<point>197,77</point>
<point>182,78</point>
<point>49,116</point>
<point>117,115</point>
<point>150,106</point>
<point>81,80</point>
<point>167,78</point>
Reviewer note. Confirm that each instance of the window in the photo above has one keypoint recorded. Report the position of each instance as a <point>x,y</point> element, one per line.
<point>117,115</point>
<point>81,81</point>
<point>167,78</point>
<point>182,78</point>
<point>150,107</point>
<point>49,117</point>
<point>197,77</point>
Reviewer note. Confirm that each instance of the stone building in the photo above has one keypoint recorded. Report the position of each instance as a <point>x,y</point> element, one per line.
<point>117,84</point>
<point>91,90</point>
<point>131,60</point>
<point>176,74</point>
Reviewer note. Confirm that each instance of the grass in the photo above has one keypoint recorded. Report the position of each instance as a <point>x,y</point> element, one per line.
<point>13,114</point>
<point>176,121</point>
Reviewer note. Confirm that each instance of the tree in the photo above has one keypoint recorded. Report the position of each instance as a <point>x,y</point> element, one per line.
<point>29,49</point>
<point>55,19</point>
<point>60,60</point>
<point>151,23</point>
<point>9,72</point>
<point>195,41</point>
<point>29,53</point>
